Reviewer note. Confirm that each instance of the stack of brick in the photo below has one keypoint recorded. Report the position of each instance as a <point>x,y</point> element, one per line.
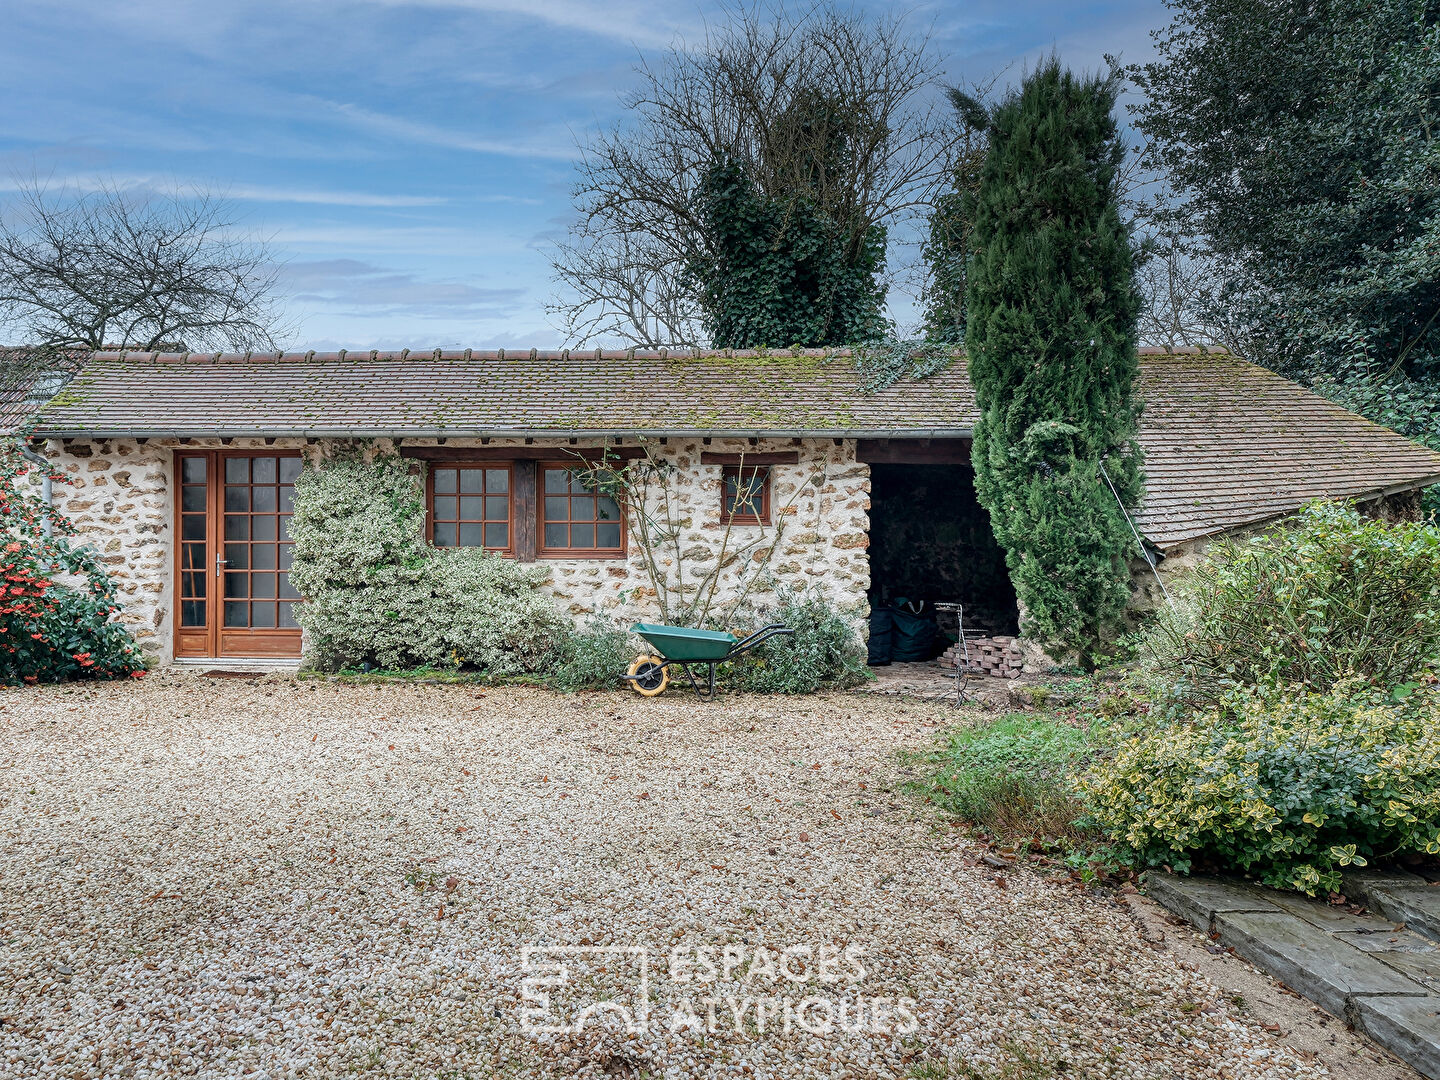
<point>999,657</point>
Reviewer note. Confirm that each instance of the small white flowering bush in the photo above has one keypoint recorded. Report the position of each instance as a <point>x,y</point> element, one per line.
<point>376,593</point>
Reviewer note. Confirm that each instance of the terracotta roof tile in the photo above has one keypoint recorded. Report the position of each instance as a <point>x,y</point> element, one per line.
<point>1227,443</point>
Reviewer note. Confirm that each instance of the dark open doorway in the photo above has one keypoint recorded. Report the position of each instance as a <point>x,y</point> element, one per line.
<point>930,541</point>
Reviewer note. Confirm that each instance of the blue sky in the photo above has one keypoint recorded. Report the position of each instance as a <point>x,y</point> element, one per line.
<point>408,160</point>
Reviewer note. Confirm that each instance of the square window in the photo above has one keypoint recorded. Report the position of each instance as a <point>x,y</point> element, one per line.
<point>745,495</point>
<point>467,503</point>
<point>578,522</point>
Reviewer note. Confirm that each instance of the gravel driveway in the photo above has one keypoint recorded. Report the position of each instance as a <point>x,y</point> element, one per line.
<point>255,876</point>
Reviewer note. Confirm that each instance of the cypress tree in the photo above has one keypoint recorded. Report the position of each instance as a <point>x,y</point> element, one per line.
<point>1050,337</point>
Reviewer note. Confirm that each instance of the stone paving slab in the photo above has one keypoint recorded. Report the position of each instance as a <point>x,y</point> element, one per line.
<point>1199,900</point>
<point>1407,1027</point>
<point>1377,974</point>
<point>1309,960</point>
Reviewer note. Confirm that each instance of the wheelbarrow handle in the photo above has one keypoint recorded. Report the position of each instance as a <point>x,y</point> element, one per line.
<point>763,634</point>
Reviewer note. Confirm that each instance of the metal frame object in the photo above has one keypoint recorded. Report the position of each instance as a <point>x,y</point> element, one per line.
<point>684,647</point>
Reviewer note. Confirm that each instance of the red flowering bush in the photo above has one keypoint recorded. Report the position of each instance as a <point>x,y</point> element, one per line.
<point>57,601</point>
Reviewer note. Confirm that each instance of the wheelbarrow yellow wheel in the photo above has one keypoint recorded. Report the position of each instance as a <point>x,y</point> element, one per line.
<point>650,678</point>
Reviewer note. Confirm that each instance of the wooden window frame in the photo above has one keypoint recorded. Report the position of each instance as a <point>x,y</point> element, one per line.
<point>736,471</point>
<point>509,551</point>
<point>588,554</point>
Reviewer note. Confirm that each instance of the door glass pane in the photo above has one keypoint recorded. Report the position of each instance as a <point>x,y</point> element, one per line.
<point>263,470</point>
<point>235,613</point>
<point>262,585</point>
<point>287,556</point>
<point>288,591</point>
<point>192,470</point>
<point>237,586</point>
<point>265,500</point>
<point>237,498</point>
<point>237,470</point>
<point>287,616</point>
<point>287,499</point>
<point>192,557</point>
<point>262,528</point>
<point>237,556</point>
<point>289,469</point>
<point>262,557</point>
<point>192,613</point>
<point>237,527</point>
<point>192,527</point>
<point>192,497</point>
<point>262,614</point>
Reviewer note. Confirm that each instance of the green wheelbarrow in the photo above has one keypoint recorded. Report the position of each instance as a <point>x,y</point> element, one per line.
<point>685,648</point>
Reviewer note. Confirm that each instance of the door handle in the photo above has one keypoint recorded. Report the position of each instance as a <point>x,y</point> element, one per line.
<point>220,564</point>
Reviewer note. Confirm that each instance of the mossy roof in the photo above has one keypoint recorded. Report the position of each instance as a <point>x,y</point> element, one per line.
<point>1227,443</point>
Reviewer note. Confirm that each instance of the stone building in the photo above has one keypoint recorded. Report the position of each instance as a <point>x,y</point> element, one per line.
<point>183,466</point>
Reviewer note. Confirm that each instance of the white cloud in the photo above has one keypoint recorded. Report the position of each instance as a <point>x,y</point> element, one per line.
<point>432,134</point>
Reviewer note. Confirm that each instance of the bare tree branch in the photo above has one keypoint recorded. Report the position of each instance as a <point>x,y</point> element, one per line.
<point>90,269</point>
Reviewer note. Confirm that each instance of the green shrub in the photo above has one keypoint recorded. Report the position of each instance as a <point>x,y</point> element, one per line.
<point>1289,786</point>
<point>376,593</point>
<point>58,602</point>
<point>592,658</point>
<point>825,652</point>
<point>1328,595</point>
<point>1011,777</point>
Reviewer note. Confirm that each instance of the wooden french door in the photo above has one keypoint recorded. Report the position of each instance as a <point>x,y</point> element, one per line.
<point>233,554</point>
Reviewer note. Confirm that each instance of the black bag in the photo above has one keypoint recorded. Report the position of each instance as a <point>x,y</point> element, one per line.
<point>914,637</point>
<point>882,637</point>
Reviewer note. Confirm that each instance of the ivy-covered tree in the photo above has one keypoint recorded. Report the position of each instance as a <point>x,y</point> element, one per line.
<point>780,271</point>
<point>1303,140</point>
<point>1050,336</point>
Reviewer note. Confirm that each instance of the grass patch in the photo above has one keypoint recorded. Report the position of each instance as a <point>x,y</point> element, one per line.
<point>1010,777</point>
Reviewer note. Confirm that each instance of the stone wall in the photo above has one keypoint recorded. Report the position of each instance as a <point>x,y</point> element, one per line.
<point>820,515</point>
<point>118,497</point>
<point>121,499</point>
